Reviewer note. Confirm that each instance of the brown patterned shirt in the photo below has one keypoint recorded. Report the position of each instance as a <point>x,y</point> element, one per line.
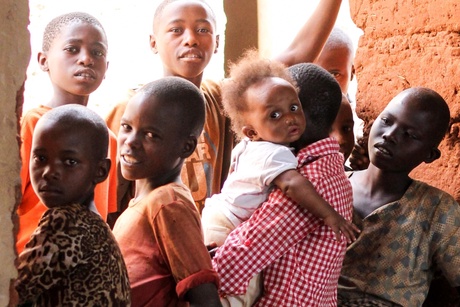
<point>402,245</point>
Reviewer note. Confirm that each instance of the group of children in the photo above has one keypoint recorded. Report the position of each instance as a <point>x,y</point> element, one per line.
<point>282,220</point>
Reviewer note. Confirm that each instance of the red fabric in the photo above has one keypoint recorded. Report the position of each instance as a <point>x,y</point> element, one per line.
<point>296,252</point>
<point>31,209</point>
<point>161,241</point>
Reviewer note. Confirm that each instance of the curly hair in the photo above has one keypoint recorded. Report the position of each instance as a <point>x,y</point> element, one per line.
<point>54,27</point>
<point>247,71</point>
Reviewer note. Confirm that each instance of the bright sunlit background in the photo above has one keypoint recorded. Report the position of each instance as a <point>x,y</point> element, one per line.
<point>128,25</point>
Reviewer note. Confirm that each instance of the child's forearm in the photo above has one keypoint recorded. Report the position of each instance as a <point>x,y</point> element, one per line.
<point>310,39</point>
<point>297,187</point>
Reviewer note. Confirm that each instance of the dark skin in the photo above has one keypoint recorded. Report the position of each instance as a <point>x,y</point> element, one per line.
<point>147,131</point>
<point>387,178</point>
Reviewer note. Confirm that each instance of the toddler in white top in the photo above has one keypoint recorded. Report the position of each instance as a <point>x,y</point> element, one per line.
<point>262,103</point>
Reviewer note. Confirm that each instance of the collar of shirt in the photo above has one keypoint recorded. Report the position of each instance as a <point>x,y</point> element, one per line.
<point>316,150</point>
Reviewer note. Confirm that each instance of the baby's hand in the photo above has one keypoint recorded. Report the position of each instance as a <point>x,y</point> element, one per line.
<point>341,226</point>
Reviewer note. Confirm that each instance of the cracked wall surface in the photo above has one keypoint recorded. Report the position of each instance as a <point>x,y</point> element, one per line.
<point>14,58</point>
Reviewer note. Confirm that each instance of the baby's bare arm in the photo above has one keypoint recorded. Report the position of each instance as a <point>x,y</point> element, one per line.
<point>297,187</point>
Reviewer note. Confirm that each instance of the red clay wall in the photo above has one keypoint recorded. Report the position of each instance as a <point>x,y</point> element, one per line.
<point>409,43</point>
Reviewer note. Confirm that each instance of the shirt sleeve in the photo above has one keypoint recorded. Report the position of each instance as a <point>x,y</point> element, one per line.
<point>446,234</point>
<point>47,258</point>
<point>178,232</point>
<point>276,227</point>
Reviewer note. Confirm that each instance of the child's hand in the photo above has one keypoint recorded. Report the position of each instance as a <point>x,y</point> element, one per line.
<point>341,226</point>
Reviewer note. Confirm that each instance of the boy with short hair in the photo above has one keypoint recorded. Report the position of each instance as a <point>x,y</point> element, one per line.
<point>185,37</point>
<point>160,233</point>
<point>75,57</point>
<point>410,229</point>
<point>72,256</point>
<point>297,254</point>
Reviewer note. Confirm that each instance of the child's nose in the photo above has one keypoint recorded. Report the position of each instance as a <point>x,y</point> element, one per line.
<point>190,38</point>
<point>391,134</point>
<point>85,58</point>
<point>131,140</point>
<point>51,172</point>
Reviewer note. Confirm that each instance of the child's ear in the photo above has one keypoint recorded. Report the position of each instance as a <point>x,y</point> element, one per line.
<point>103,168</point>
<point>42,61</point>
<point>249,132</point>
<point>189,146</point>
<point>153,43</point>
<point>217,43</point>
<point>434,155</point>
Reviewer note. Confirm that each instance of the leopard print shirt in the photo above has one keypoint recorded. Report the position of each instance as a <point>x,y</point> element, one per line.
<point>72,259</point>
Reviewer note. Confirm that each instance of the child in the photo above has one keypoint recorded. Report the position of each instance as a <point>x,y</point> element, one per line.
<point>160,233</point>
<point>410,230</point>
<point>298,255</point>
<point>72,257</point>
<point>342,128</point>
<point>75,57</point>
<point>185,37</point>
<point>266,114</point>
<point>337,58</point>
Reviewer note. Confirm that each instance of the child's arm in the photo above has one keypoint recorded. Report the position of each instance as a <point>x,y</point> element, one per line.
<point>203,295</point>
<point>310,39</point>
<point>297,187</point>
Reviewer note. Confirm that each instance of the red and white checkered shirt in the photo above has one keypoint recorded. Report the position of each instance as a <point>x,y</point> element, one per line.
<point>296,252</point>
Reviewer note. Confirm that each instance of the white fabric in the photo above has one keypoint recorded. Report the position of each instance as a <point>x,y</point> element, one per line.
<point>255,165</point>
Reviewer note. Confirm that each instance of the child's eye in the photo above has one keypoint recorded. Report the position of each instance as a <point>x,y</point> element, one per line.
<point>71,49</point>
<point>275,115</point>
<point>294,108</point>
<point>203,30</point>
<point>99,53</point>
<point>335,74</point>
<point>385,120</point>
<point>38,158</point>
<point>176,30</point>
<point>70,162</point>
<point>125,127</point>
<point>411,135</point>
<point>347,129</point>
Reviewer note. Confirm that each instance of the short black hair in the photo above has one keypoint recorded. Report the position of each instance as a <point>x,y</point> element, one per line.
<point>182,95</point>
<point>160,8</point>
<point>75,118</point>
<point>433,103</point>
<point>338,38</point>
<point>320,96</point>
<point>54,27</point>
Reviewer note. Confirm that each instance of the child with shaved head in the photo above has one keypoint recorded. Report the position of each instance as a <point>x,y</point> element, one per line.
<point>160,232</point>
<point>72,256</point>
<point>409,229</point>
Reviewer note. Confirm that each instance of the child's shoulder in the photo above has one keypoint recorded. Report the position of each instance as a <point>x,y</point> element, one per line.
<point>170,194</point>
<point>31,116</point>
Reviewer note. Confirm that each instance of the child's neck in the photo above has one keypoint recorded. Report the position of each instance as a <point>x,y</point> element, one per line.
<point>373,188</point>
<point>60,100</point>
<point>146,185</point>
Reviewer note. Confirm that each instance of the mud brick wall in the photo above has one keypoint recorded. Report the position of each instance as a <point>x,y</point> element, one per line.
<point>409,43</point>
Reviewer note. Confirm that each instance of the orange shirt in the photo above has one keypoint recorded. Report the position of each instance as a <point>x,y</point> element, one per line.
<point>31,209</point>
<point>161,241</point>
